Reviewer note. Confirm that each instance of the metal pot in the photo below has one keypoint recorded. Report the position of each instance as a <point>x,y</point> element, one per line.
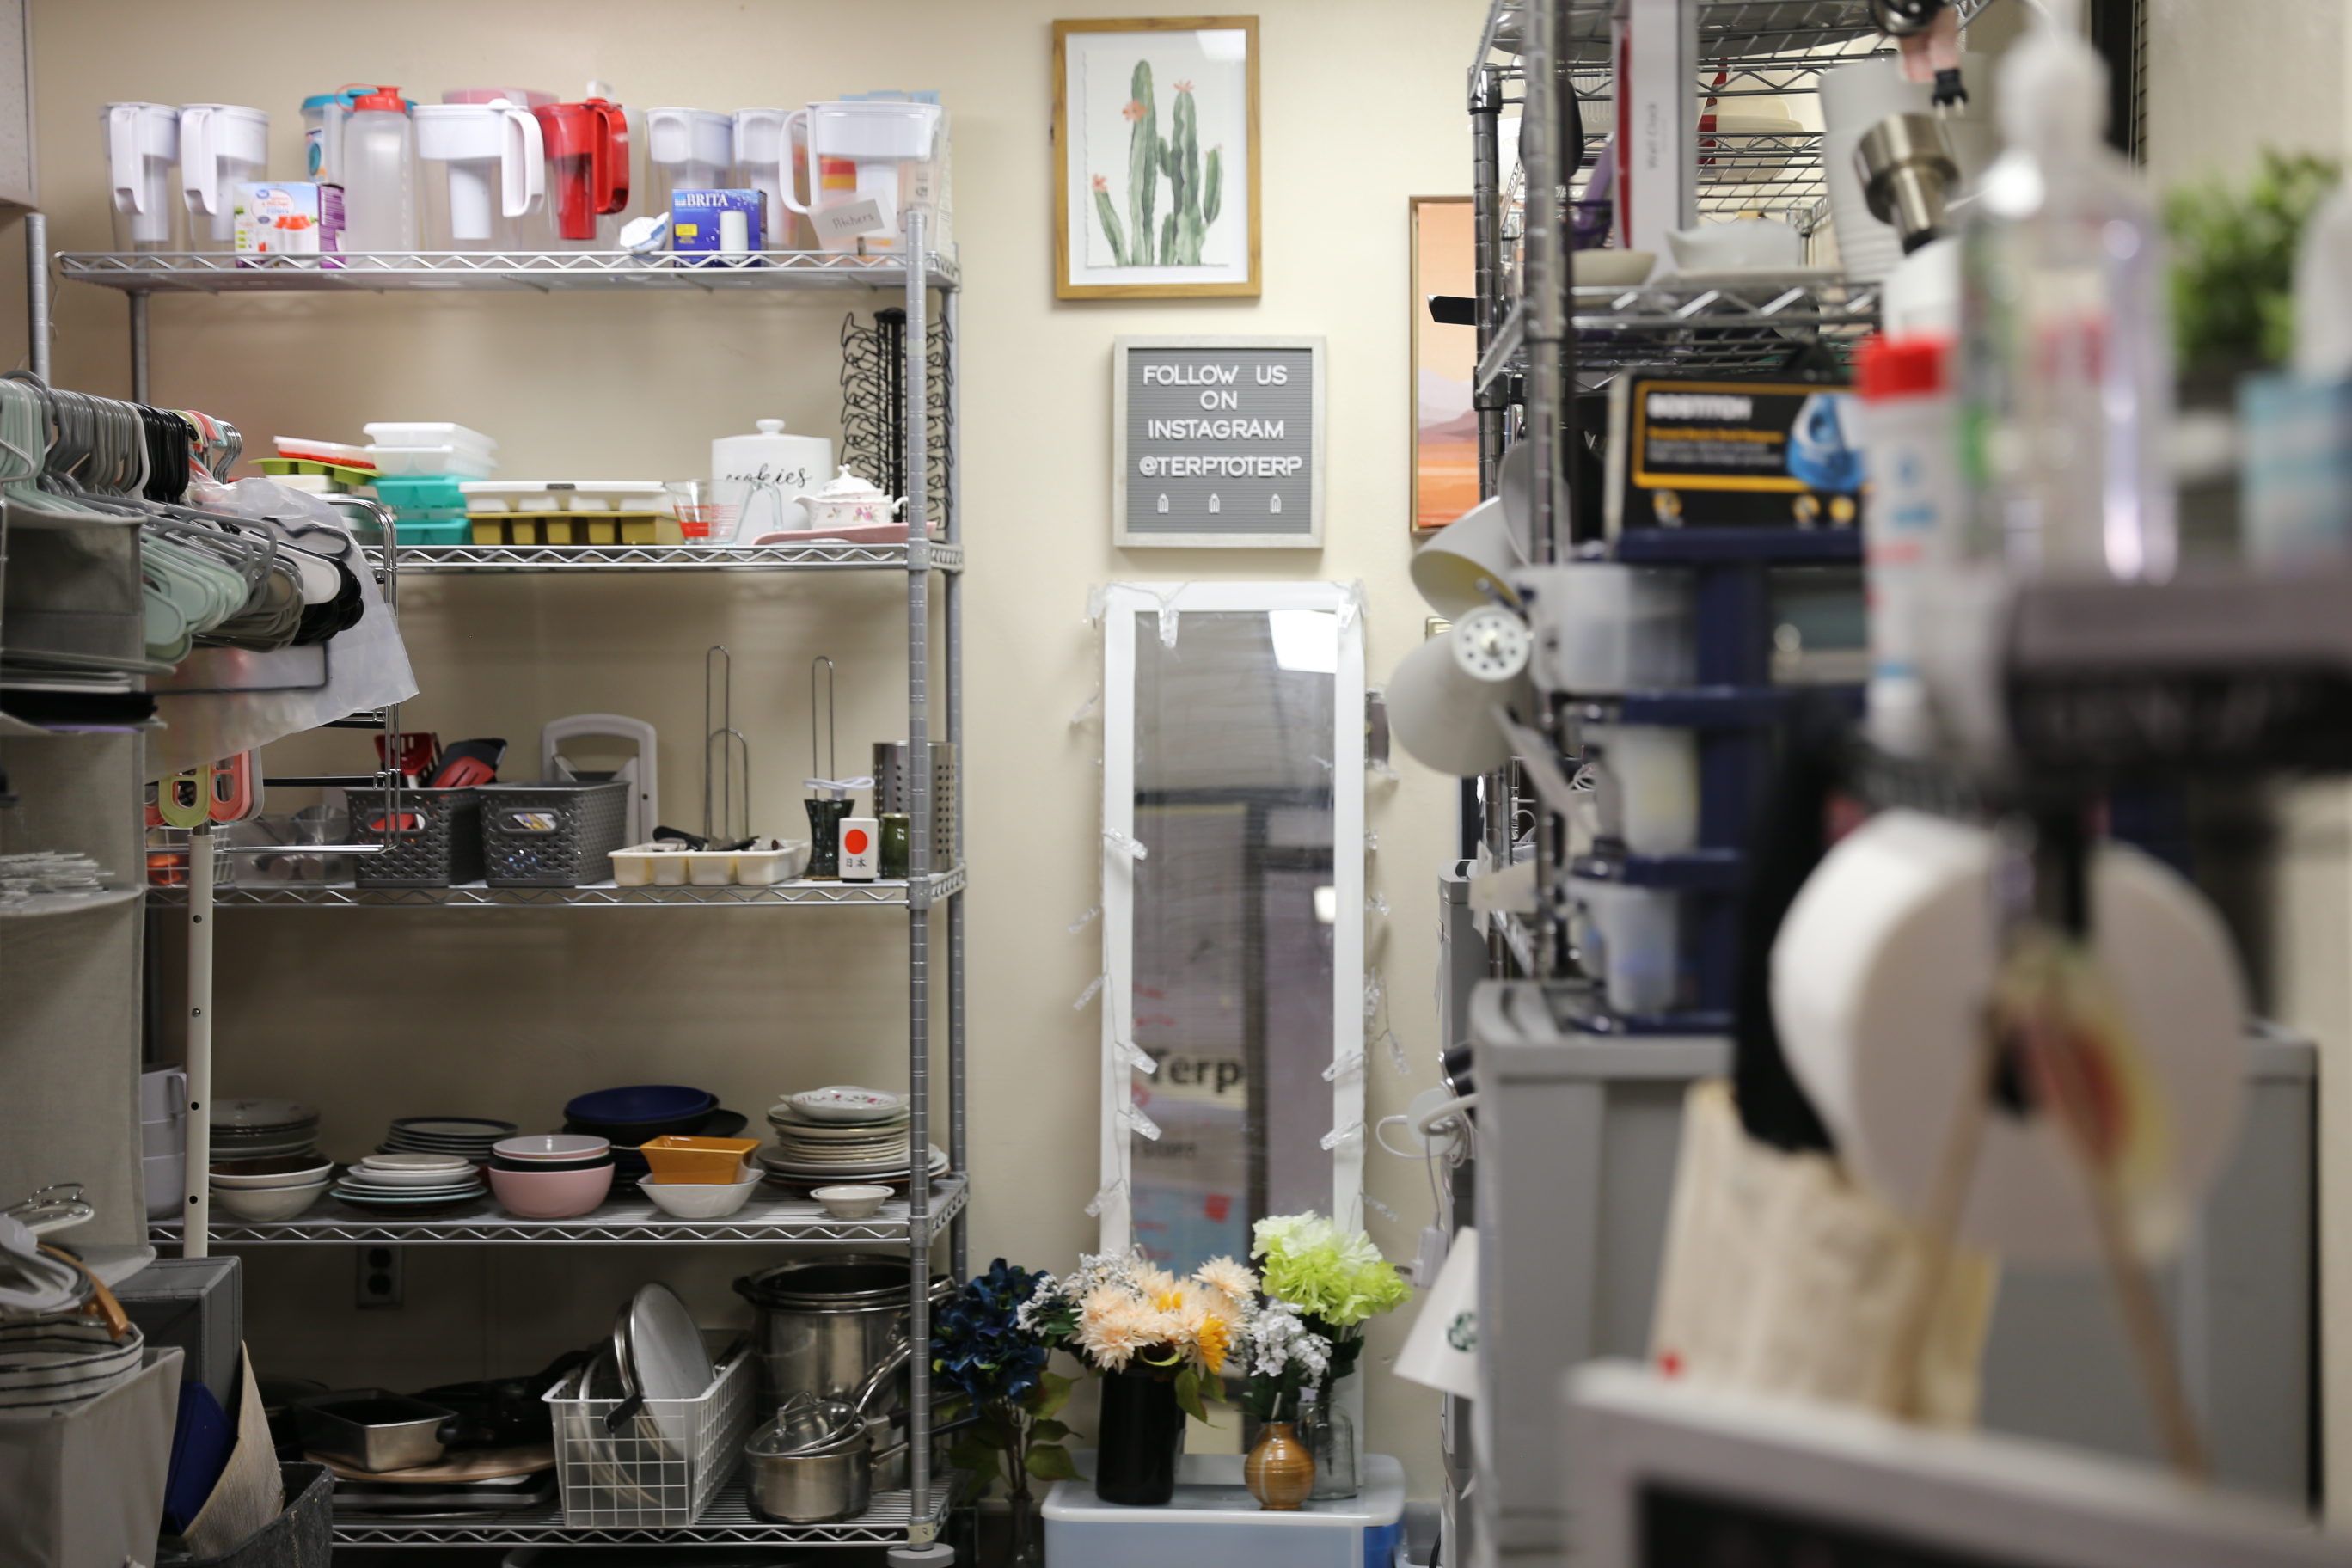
<point>810,1489</point>
<point>824,1324</point>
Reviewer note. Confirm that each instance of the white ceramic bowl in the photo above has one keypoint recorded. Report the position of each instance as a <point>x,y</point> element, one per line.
<point>698,1200</point>
<point>306,1173</point>
<point>851,1201</point>
<point>267,1203</point>
<point>551,1146</point>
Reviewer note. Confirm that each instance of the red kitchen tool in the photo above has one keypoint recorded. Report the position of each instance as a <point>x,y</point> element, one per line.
<point>587,163</point>
<point>465,763</point>
<point>420,753</point>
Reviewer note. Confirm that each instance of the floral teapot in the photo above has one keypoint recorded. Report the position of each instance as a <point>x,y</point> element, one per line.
<point>849,502</point>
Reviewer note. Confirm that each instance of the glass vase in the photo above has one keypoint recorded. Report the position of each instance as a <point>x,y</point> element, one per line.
<point>1330,1435</point>
<point>1024,1533</point>
<point>1140,1432</point>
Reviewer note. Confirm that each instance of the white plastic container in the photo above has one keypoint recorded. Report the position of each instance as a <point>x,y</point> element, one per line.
<point>710,867</point>
<point>895,149</point>
<point>460,462</point>
<point>764,868</point>
<point>1603,629</point>
<point>757,481</point>
<point>308,451</point>
<point>1910,512</point>
<point>143,143</point>
<point>1649,798</point>
<point>686,150</point>
<point>495,167</point>
<point>428,433</point>
<point>379,175</point>
<point>1638,932</point>
<point>661,864</point>
<point>222,146</point>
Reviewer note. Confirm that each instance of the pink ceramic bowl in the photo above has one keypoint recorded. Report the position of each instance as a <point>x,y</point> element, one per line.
<point>552,1194</point>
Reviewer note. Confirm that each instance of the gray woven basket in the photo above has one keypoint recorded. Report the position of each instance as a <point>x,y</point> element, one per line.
<point>553,835</point>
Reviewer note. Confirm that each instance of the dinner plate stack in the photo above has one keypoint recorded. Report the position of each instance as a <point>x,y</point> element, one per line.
<point>412,1185</point>
<point>813,1153</point>
<point>53,1365</point>
<point>256,1129</point>
<point>470,1136</point>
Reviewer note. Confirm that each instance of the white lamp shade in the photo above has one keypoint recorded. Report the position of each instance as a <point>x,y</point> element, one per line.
<point>1443,714</point>
<point>1476,545</point>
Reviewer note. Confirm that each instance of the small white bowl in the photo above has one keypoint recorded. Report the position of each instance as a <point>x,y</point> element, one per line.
<point>266,1203</point>
<point>851,1201</point>
<point>698,1200</point>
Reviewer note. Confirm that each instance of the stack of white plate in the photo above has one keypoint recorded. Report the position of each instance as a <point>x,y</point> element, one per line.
<point>50,1364</point>
<point>255,1128</point>
<point>406,1182</point>
<point>470,1136</point>
<point>820,1148</point>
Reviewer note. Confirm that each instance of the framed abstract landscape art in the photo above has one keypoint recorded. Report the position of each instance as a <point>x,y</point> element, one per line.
<point>1155,158</point>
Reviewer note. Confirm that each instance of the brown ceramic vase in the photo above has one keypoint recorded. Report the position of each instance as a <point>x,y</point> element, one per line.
<point>1280,1471</point>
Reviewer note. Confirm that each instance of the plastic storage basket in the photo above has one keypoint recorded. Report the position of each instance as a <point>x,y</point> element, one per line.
<point>660,1469</point>
<point>432,837</point>
<point>553,835</point>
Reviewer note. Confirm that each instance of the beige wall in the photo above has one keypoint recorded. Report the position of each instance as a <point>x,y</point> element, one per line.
<point>374,1014</point>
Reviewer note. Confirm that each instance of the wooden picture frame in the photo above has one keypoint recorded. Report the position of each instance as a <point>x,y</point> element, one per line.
<point>1096,244</point>
<point>1445,359</point>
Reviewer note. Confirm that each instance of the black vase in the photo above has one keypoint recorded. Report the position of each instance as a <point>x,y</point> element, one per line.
<point>1140,1432</point>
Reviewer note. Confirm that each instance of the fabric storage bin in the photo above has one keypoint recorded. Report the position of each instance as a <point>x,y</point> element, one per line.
<point>660,1469</point>
<point>302,1536</point>
<point>85,1484</point>
<point>553,835</point>
<point>434,841</point>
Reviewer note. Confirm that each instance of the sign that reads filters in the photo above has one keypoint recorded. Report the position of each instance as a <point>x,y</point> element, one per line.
<point>1218,442</point>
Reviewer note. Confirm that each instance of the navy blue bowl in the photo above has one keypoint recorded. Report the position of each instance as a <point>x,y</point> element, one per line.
<point>640,1102</point>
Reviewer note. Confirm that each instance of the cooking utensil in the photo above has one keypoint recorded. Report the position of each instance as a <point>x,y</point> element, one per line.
<point>831,801</point>
<point>813,1486</point>
<point>466,763</point>
<point>723,827</point>
<point>374,1430</point>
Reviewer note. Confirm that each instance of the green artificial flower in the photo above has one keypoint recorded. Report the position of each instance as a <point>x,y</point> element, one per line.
<point>1336,1275</point>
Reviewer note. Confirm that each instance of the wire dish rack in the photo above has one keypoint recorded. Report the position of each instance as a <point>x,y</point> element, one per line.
<point>658,1467</point>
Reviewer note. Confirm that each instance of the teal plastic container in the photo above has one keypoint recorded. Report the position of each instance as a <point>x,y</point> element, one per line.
<point>421,492</point>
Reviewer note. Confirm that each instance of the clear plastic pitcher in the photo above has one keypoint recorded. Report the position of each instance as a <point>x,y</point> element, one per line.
<point>893,146</point>
<point>587,166</point>
<point>379,181</point>
<point>222,146</point>
<point>496,168</point>
<point>143,143</point>
<point>761,163</point>
<point>686,150</point>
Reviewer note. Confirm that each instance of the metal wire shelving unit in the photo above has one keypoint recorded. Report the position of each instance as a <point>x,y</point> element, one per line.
<point>765,1220</point>
<point>897,893</point>
<point>728,1521</point>
<point>912,1518</point>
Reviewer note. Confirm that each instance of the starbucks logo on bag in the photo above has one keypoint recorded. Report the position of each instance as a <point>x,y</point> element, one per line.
<point>1462,1334</point>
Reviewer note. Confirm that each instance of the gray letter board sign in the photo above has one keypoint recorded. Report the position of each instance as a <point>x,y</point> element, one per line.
<point>1217,442</point>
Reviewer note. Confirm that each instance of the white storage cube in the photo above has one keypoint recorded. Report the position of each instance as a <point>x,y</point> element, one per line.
<point>1213,1523</point>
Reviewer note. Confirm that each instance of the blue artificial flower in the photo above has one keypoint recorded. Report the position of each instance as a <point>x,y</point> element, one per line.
<point>976,1346</point>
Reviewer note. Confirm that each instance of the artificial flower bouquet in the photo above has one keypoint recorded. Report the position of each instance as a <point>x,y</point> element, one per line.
<point>1336,1279</point>
<point>1117,1313</point>
<point>996,1367</point>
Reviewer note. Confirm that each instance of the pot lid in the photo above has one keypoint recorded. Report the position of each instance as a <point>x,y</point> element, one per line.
<point>848,1282</point>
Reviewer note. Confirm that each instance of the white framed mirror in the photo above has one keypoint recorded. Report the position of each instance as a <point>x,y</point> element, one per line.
<point>1233,912</point>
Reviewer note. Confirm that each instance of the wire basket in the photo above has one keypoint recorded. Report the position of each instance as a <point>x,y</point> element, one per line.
<point>431,837</point>
<point>660,1469</point>
<point>553,835</point>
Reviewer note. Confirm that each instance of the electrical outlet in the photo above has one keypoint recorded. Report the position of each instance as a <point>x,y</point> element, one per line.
<point>381,1278</point>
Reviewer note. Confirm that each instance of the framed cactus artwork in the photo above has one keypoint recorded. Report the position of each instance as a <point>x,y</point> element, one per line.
<point>1155,140</point>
